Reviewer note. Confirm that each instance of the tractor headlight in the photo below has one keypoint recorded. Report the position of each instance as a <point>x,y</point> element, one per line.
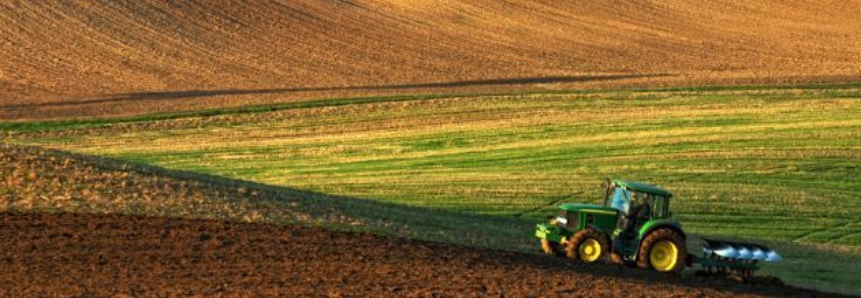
<point>562,221</point>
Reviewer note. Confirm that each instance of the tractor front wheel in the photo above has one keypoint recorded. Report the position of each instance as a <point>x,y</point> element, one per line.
<point>663,250</point>
<point>587,246</point>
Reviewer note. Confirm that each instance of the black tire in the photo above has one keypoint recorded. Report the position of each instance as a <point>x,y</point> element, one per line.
<point>572,249</point>
<point>551,248</point>
<point>659,235</point>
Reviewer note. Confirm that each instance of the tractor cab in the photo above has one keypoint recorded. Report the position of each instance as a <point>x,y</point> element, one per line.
<point>640,206</point>
<point>627,197</point>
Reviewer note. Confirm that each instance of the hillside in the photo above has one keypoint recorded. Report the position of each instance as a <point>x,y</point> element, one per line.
<point>165,250</point>
<point>106,58</point>
<point>776,166</point>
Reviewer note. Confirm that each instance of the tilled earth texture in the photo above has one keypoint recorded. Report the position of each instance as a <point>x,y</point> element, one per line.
<point>110,255</point>
<point>83,58</point>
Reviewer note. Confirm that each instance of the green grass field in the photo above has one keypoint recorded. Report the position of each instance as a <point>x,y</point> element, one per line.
<point>782,165</point>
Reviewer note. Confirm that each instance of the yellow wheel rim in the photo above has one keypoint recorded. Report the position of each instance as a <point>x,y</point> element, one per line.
<point>664,256</point>
<point>589,250</point>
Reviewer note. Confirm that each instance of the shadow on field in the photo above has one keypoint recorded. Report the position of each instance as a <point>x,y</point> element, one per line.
<point>469,231</point>
<point>167,95</point>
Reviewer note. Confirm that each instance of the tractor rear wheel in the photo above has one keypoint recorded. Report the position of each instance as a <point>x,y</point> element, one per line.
<point>663,250</point>
<point>550,248</point>
<point>587,246</point>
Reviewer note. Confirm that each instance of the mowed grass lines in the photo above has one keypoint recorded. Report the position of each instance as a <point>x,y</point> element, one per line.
<point>779,164</point>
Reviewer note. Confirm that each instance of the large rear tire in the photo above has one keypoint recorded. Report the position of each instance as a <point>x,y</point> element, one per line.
<point>587,246</point>
<point>663,250</point>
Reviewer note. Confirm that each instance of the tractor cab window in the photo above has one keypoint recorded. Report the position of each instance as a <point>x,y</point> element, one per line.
<point>620,199</point>
<point>660,207</point>
<point>645,205</point>
<point>657,204</point>
<point>641,198</point>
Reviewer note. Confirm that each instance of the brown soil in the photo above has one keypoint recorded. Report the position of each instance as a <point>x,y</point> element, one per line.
<point>107,57</point>
<point>109,255</point>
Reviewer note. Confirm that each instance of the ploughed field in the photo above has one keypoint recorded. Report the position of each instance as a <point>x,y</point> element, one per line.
<point>104,57</point>
<point>776,166</point>
<point>110,255</point>
<point>451,121</point>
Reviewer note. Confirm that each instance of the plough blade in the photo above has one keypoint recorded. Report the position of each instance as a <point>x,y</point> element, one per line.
<point>728,257</point>
<point>739,251</point>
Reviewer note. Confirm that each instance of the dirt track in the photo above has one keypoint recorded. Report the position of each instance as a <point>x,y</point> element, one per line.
<point>106,57</point>
<point>105,255</point>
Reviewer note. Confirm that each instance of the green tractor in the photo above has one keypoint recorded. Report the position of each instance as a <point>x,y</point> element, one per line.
<point>635,227</point>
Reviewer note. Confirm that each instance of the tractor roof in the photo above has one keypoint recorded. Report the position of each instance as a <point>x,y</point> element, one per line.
<point>642,187</point>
